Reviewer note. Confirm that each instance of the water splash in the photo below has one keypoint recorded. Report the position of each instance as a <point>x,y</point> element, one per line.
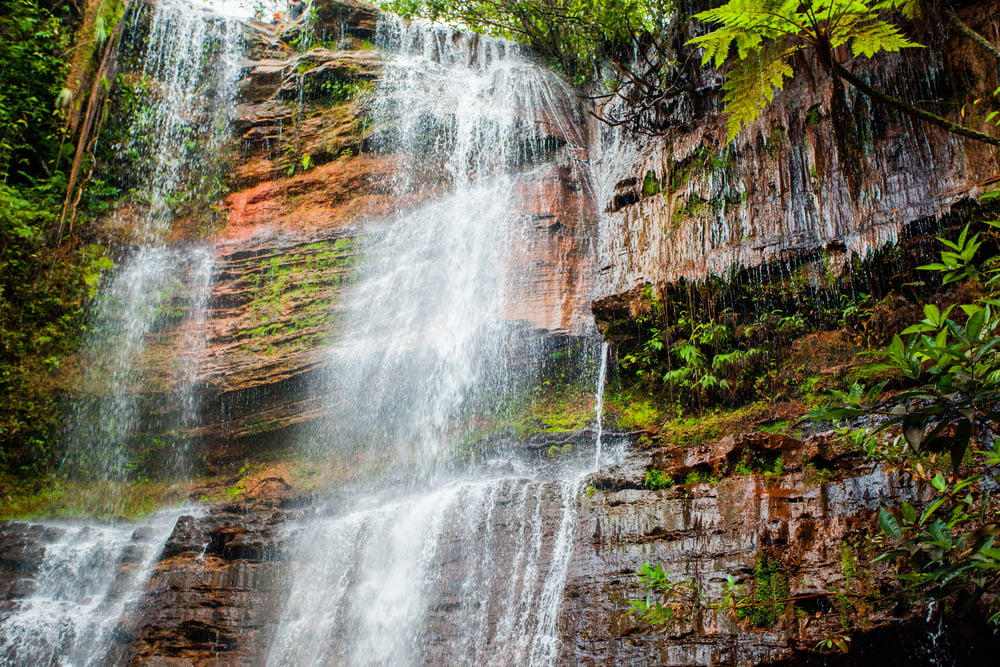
<point>87,579</point>
<point>470,573</point>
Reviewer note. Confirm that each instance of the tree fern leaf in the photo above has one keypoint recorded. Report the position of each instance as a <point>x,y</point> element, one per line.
<point>868,39</point>
<point>750,87</point>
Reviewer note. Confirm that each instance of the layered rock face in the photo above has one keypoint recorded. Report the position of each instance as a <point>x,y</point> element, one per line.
<point>308,180</point>
<point>821,173</point>
<point>307,184</point>
<point>797,537</point>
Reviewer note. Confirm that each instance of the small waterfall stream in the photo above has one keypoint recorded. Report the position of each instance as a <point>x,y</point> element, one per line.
<point>188,71</point>
<point>89,576</point>
<point>429,562</point>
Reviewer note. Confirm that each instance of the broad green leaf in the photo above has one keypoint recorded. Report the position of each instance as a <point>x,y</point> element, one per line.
<point>939,482</point>
<point>889,524</point>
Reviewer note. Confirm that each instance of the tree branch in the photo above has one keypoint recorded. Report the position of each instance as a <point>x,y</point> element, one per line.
<point>909,109</point>
<point>960,25</point>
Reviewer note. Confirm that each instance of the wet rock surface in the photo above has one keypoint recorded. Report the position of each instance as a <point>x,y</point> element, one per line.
<point>815,532</point>
<point>821,174</point>
<point>214,591</point>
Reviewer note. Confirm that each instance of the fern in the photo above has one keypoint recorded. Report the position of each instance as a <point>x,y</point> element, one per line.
<point>758,37</point>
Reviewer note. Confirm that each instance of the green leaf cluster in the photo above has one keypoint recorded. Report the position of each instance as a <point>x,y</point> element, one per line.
<point>44,283</point>
<point>572,33</point>
<point>758,38</point>
<point>35,36</point>
<point>950,358</point>
<point>946,549</point>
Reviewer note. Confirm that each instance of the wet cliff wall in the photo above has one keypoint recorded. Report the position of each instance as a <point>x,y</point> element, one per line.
<point>823,172</point>
<point>306,179</point>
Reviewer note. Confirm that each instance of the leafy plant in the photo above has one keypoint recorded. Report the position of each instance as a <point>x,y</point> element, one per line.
<point>952,361</point>
<point>946,549</point>
<point>657,480</point>
<point>572,33</point>
<point>760,38</point>
<point>666,602</point>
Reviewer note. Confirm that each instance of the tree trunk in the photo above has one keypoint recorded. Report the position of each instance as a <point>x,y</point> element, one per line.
<point>960,25</point>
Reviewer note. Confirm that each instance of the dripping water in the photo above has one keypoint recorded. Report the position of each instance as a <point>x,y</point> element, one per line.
<point>602,374</point>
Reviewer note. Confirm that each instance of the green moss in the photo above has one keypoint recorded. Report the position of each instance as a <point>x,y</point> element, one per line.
<point>848,563</point>
<point>650,184</point>
<point>696,429</point>
<point>632,411</point>
<point>765,605</point>
<point>58,497</point>
<point>657,480</point>
<point>292,296</point>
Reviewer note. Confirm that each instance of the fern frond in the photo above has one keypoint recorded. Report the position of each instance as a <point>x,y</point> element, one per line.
<point>910,9</point>
<point>870,38</point>
<point>750,87</point>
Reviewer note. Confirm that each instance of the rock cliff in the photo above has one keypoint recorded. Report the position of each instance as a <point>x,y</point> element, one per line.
<point>309,181</point>
<point>821,173</point>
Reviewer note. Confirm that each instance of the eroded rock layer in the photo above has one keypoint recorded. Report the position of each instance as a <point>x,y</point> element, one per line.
<point>823,172</point>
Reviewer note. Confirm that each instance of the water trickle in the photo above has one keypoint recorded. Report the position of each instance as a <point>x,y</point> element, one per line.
<point>87,579</point>
<point>602,375</point>
<point>148,327</point>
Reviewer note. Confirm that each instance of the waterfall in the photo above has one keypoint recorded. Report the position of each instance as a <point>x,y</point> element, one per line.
<point>427,341</point>
<point>86,580</point>
<point>148,326</point>
<point>427,561</point>
<point>146,335</point>
<point>602,377</point>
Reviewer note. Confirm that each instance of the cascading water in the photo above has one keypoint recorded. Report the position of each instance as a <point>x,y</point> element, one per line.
<point>602,378</point>
<point>426,341</point>
<point>152,307</point>
<point>188,71</point>
<point>447,566</point>
<point>87,579</point>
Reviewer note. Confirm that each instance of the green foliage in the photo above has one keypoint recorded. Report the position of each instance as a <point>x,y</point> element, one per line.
<point>764,35</point>
<point>666,601</point>
<point>700,477</point>
<point>832,641</point>
<point>815,475</point>
<point>957,261</point>
<point>669,602</point>
<point>572,33</point>
<point>766,602</point>
<point>700,362</point>
<point>43,290</point>
<point>945,548</point>
<point>34,36</point>
<point>657,480</point>
<point>956,370</point>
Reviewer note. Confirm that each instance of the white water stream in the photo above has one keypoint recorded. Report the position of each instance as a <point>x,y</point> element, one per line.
<point>428,564</point>
<point>87,579</point>
<point>89,574</point>
<point>188,73</point>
